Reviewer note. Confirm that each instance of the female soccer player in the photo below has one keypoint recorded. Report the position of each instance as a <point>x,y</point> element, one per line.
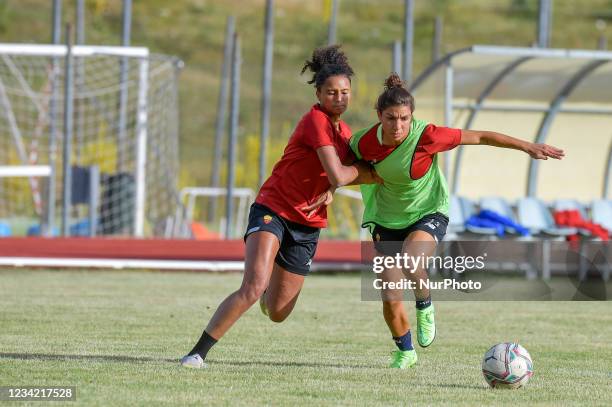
<point>409,212</point>
<point>290,209</point>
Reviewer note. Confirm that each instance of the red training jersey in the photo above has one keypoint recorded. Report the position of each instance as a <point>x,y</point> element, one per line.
<point>434,139</point>
<point>299,178</point>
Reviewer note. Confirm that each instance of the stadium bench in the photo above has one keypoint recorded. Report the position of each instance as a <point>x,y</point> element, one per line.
<point>500,206</point>
<point>534,215</point>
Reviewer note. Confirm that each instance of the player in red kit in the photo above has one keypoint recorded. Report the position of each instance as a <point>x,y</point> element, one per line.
<point>290,209</point>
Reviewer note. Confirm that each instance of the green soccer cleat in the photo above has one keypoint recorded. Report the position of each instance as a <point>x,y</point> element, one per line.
<point>426,326</point>
<point>403,359</point>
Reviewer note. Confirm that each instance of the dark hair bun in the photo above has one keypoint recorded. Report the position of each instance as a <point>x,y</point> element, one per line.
<point>395,94</point>
<point>394,81</point>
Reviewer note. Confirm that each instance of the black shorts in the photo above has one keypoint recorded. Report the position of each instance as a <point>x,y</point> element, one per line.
<point>390,241</point>
<point>298,243</point>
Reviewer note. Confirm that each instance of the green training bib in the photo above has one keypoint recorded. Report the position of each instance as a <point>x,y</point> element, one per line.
<point>401,201</point>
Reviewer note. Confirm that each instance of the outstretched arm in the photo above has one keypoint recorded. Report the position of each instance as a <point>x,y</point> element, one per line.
<point>491,138</point>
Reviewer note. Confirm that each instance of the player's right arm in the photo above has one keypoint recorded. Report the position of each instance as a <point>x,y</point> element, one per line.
<point>491,138</point>
<point>340,175</point>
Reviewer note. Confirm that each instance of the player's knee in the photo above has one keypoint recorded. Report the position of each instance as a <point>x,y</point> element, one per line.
<point>252,291</point>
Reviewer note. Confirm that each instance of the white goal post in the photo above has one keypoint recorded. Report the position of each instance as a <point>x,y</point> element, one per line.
<point>29,171</point>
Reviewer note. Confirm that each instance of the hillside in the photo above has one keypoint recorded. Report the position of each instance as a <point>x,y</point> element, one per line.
<point>193,30</point>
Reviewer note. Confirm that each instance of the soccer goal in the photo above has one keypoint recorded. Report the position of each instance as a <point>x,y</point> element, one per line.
<point>123,118</point>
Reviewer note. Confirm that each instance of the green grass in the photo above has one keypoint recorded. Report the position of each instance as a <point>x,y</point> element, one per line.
<point>117,336</point>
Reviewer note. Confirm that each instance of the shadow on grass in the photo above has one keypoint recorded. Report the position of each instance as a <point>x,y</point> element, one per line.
<point>461,386</point>
<point>142,359</point>
<point>111,358</point>
<point>286,364</point>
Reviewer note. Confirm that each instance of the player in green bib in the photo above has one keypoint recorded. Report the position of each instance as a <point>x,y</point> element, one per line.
<point>409,212</point>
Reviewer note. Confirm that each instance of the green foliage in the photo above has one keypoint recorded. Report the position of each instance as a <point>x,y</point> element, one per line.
<point>526,9</point>
<point>194,31</point>
<point>4,16</point>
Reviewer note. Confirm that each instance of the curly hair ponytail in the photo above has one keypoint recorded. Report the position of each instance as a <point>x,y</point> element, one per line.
<point>326,62</point>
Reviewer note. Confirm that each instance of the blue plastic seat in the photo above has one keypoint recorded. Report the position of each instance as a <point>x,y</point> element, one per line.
<point>601,213</point>
<point>460,210</point>
<point>500,206</point>
<point>5,230</point>
<point>534,215</point>
<point>469,209</point>
<point>456,222</point>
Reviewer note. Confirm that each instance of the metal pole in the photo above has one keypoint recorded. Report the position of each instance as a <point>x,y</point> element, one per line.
<point>602,42</point>
<point>448,111</point>
<point>56,31</point>
<point>544,23</point>
<point>49,224</point>
<point>331,28</point>
<point>79,78</point>
<point>68,94</point>
<point>607,175</point>
<point>436,45</point>
<point>408,39</point>
<point>266,90</point>
<point>94,192</point>
<point>141,147</point>
<point>80,22</point>
<point>127,23</point>
<point>233,136</point>
<point>221,113</point>
<point>123,95</point>
<point>396,59</point>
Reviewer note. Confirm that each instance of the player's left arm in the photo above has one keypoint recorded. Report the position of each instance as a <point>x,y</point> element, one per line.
<point>491,138</point>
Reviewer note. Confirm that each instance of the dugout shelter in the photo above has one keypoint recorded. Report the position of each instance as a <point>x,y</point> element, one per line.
<point>561,97</point>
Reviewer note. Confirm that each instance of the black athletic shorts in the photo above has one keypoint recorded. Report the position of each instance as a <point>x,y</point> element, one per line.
<point>298,243</point>
<point>390,241</point>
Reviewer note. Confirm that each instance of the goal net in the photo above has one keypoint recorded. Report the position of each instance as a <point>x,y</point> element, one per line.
<point>124,121</point>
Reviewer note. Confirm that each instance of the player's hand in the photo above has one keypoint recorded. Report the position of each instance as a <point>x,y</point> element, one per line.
<point>376,178</point>
<point>325,199</point>
<point>543,151</point>
<point>367,174</point>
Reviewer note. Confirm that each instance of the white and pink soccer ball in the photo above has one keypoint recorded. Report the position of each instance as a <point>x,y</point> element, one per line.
<point>507,365</point>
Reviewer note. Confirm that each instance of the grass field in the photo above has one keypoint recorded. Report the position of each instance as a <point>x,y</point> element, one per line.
<point>117,336</point>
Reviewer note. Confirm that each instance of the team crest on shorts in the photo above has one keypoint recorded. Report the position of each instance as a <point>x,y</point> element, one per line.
<point>377,237</point>
<point>267,219</point>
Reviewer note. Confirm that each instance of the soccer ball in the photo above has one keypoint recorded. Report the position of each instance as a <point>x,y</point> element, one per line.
<point>507,365</point>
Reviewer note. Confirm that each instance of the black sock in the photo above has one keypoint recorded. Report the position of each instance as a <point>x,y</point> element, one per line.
<point>422,304</point>
<point>404,342</point>
<point>203,346</point>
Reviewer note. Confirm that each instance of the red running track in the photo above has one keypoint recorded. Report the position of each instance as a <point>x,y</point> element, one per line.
<point>328,251</point>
